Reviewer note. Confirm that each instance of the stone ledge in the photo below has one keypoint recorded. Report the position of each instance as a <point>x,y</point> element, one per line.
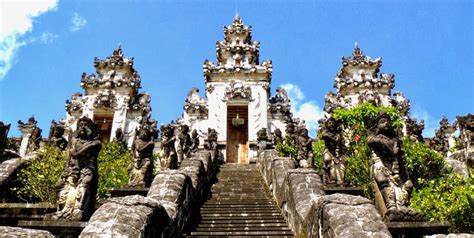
<point>122,192</point>
<point>57,228</point>
<point>417,229</point>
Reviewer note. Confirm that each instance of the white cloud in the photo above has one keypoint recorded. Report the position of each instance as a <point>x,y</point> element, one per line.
<point>431,124</point>
<point>17,17</point>
<point>308,111</point>
<point>77,22</point>
<point>47,37</point>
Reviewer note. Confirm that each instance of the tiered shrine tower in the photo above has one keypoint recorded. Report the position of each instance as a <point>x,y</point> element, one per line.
<point>237,101</point>
<point>112,99</point>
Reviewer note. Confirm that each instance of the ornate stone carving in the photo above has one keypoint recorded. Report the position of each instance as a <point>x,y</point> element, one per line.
<point>237,90</point>
<point>305,149</point>
<point>34,139</point>
<point>105,99</point>
<point>5,153</point>
<point>184,143</point>
<point>168,155</point>
<point>195,142</point>
<point>334,159</point>
<point>262,140</point>
<point>401,103</point>
<point>56,137</point>
<point>195,105</point>
<point>370,96</point>
<point>78,183</point>
<point>75,105</point>
<point>277,137</point>
<point>440,142</point>
<point>466,127</point>
<point>210,143</point>
<point>415,129</point>
<point>140,170</point>
<point>389,171</point>
<point>141,102</point>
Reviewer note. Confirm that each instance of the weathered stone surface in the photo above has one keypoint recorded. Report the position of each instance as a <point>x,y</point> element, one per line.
<point>8,231</point>
<point>131,216</point>
<point>280,170</point>
<point>8,169</point>
<point>458,235</point>
<point>210,166</point>
<point>346,215</point>
<point>303,188</point>
<point>194,168</point>
<point>458,167</point>
<point>265,162</point>
<point>173,190</point>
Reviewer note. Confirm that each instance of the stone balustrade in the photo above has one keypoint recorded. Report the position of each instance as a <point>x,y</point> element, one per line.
<point>167,211</point>
<point>312,213</point>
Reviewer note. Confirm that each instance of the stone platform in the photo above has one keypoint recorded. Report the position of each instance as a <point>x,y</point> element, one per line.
<point>63,229</point>
<point>11,213</point>
<point>357,191</point>
<point>417,229</point>
<point>122,192</point>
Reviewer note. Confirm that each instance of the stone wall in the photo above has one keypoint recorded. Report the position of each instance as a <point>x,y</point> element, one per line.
<point>311,213</point>
<point>167,211</point>
<point>8,231</point>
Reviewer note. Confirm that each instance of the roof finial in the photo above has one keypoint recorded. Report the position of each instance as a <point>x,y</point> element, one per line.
<point>357,54</point>
<point>118,50</point>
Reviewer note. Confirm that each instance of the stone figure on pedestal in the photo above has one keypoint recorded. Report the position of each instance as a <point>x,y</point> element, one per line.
<point>389,171</point>
<point>168,156</point>
<point>140,170</point>
<point>262,139</point>
<point>56,137</point>
<point>210,143</point>
<point>35,140</point>
<point>334,160</point>
<point>305,149</point>
<point>277,137</point>
<point>184,143</point>
<point>78,184</point>
<point>194,142</point>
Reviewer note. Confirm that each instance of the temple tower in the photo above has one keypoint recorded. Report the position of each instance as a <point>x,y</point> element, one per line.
<point>111,99</point>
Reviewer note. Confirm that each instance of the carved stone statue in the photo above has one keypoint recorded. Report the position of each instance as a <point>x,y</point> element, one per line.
<point>389,171</point>
<point>195,141</point>
<point>4,152</point>
<point>184,143</point>
<point>119,137</point>
<point>78,184</point>
<point>211,142</point>
<point>277,137</point>
<point>280,97</point>
<point>415,129</point>
<point>56,137</point>
<point>34,141</point>
<point>305,149</point>
<point>168,156</point>
<point>334,160</point>
<point>466,127</point>
<point>262,139</point>
<point>140,170</point>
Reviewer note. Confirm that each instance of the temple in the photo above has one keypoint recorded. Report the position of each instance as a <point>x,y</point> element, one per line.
<point>237,101</point>
<point>111,99</point>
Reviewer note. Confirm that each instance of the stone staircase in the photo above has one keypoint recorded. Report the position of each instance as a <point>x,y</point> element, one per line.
<point>241,205</point>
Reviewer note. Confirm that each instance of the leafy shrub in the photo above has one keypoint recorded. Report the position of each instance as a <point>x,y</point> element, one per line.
<point>40,175</point>
<point>358,169</point>
<point>287,148</point>
<point>318,150</point>
<point>449,198</point>
<point>113,162</point>
<point>423,164</point>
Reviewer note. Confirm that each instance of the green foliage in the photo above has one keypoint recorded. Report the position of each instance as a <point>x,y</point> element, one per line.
<point>287,148</point>
<point>360,114</point>
<point>40,175</point>
<point>318,149</point>
<point>423,164</point>
<point>113,162</point>
<point>449,198</point>
<point>358,168</point>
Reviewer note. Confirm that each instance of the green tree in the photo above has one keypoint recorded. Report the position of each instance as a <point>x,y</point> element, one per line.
<point>113,161</point>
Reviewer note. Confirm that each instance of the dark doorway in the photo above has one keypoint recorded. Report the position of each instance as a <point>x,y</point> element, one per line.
<point>237,134</point>
<point>105,125</point>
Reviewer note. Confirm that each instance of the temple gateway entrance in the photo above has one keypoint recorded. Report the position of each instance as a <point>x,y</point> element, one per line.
<point>237,134</point>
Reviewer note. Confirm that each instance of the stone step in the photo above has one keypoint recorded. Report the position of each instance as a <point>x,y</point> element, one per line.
<point>226,211</point>
<point>239,206</point>
<point>278,217</point>
<point>241,214</point>
<point>246,228</point>
<point>242,225</point>
<point>241,233</point>
<point>243,221</point>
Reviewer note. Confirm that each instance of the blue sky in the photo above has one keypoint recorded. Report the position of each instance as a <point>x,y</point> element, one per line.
<point>46,45</point>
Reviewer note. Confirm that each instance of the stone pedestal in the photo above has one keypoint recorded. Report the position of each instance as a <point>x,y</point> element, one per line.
<point>63,229</point>
<point>417,229</point>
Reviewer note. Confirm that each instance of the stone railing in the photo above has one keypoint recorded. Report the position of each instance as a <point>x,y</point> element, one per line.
<point>172,202</point>
<point>311,213</point>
